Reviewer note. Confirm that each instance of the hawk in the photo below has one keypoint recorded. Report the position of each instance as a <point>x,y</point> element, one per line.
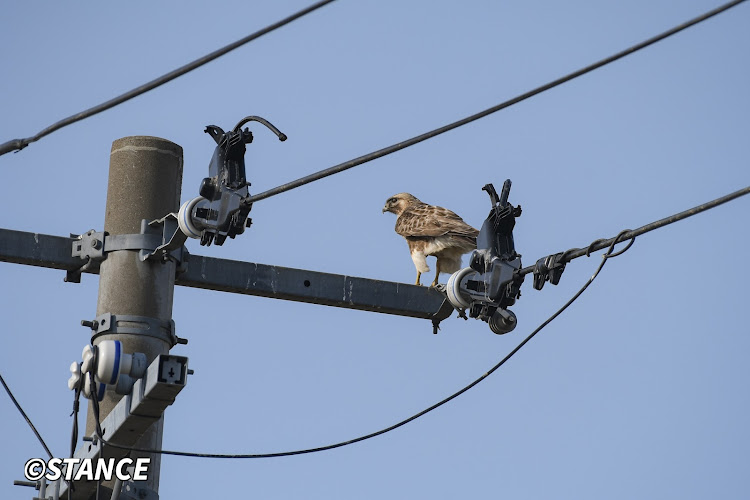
<point>431,230</point>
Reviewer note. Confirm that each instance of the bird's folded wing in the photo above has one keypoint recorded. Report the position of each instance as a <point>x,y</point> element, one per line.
<point>432,221</point>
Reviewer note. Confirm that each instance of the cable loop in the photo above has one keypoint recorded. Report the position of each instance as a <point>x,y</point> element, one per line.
<point>608,254</point>
<point>590,248</point>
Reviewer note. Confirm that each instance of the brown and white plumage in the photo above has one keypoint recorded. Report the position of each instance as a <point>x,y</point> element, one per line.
<point>431,230</point>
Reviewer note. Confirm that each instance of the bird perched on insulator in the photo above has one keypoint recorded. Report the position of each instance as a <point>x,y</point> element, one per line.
<point>430,230</point>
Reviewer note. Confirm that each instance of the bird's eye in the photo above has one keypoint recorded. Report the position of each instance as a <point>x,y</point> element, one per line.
<point>392,200</point>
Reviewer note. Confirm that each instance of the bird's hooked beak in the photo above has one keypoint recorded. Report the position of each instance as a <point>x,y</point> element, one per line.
<point>385,209</point>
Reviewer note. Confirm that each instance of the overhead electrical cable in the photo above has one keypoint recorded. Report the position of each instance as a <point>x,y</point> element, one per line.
<point>433,133</point>
<point>19,144</point>
<point>26,417</point>
<point>624,235</point>
<point>574,253</point>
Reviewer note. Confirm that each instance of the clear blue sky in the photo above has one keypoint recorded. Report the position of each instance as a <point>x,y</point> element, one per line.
<point>638,391</point>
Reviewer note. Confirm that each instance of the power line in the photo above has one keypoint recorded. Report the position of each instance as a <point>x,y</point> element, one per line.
<point>429,135</point>
<point>574,253</point>
<point>610,243</point>
<point>19,144</point>
<point>26,417</point>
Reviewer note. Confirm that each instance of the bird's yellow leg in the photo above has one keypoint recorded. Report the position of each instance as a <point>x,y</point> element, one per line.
<point>419,275</point>
<point>437,273</point>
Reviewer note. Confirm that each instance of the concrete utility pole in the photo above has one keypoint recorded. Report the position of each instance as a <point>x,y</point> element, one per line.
<point>135,295</point>
<point>145,179</point>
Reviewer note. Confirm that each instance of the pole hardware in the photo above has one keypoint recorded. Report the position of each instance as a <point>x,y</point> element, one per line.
<point>171,244</point>
<point>39,485</point>
<point>446,309</point>
<point>491,284</point>
<point>156,389</point>
<point>550,269</point>
<point>157,241</point>
<point>223,206</point>
<point>251,278</point>
<point>113,369</point>
<point>118,324</point>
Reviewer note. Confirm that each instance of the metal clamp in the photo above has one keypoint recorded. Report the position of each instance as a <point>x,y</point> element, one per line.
<point>550,269</point>
<point>446,309</point>
<point>159,240</point>
<point>172,239</point>
<point>90,248</point>
<point>109,323</point>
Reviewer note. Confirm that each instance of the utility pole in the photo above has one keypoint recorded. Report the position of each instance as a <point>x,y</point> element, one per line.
<point>138,255</point>
<point>145,179</point>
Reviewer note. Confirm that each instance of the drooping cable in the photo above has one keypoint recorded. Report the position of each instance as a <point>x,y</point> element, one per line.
<point>607,255</point>
<point>622,236</point>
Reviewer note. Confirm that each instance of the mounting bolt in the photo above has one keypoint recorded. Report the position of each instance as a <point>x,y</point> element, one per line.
<point>30,484</point>
<point>91,324</point>
<point>94,439</point>
<point>96,244</point>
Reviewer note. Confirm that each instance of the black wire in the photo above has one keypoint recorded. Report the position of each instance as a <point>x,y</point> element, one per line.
<point>95,408</point>
<point>19,144</point>
<point>387,429</point>
<point>23,413</point>
<point>429,135</point>
<point>595,245</point>
<point>74,434</point>
<point>74,414</point>
<point>574,253</point>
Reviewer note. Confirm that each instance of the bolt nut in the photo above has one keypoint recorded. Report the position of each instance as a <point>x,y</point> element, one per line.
<point>91,324</point>
<point>95,243</point>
